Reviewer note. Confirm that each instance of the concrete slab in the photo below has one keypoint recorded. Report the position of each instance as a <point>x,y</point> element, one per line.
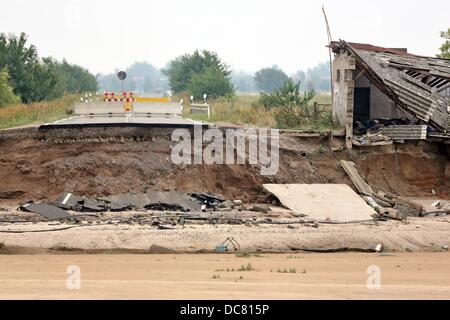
<point>130,120</point>
<point>337,202</point>
<point>104,108</point>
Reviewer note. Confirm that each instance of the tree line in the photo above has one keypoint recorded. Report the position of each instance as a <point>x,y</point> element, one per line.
<point>27,78</point>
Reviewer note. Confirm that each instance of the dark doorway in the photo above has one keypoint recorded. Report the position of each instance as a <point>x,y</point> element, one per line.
<point>362,105</point>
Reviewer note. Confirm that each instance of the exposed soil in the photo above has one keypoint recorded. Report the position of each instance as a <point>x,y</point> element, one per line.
<point>33,170</point>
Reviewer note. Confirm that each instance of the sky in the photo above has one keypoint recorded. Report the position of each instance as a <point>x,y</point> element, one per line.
<point>248,35</point>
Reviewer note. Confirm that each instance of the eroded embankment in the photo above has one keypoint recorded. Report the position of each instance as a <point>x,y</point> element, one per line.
<point>34,168</point>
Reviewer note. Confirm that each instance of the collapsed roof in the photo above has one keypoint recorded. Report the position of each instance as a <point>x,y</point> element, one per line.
<point>413,82</point>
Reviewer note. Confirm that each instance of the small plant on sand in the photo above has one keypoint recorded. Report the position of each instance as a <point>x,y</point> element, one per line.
<point>290,270</point>
<point>216,276</point>
<point>247,267</point>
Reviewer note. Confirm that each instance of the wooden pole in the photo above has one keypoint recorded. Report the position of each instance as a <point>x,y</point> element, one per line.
<point>330,39</point>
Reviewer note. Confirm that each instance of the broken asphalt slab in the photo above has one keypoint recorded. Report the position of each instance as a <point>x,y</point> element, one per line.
<point>154,200</point>
<point>46,210</point>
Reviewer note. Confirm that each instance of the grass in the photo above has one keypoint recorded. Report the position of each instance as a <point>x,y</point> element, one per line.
<point>240,110</point>
<point>34,113</point>
<point>236,110</point>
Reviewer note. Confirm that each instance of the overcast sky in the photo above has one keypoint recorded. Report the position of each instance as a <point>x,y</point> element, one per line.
<point>247,34</point>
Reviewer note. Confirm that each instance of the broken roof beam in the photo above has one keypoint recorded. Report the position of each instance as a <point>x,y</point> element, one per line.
<point>417,82</point>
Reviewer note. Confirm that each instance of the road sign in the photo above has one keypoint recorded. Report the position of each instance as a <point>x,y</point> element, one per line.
<point>122,75</point>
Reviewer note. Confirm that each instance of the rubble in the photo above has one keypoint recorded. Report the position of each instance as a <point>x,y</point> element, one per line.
<point>371,140</point>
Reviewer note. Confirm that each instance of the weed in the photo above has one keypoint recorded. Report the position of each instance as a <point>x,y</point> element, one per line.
<point>247,267</point>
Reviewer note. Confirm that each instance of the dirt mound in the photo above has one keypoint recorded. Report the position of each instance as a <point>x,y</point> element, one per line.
<point>31,169</point>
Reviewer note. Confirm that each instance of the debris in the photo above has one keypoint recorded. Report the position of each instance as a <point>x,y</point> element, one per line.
<point>259,208</point>
<point>208,199</point>
<point>381,199</point>
<point>408,207</point>
<point>228,241</point>
<point>436,204</point>
<point>335,249</point>
<point>69,201</point>
<point>156,200</point>
<point>393,214</point>
<point>91,205</point>
<point>445,248</point>
<point>360,184</point>
<point>371,202</point>
<point>338,202</point>
<point>238,202</point>
<point>371,140</point>
<point>379,248</point>
<point>227,204</point>
<point>48,211</point>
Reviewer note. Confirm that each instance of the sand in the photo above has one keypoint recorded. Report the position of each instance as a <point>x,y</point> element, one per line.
<point>190,276</point>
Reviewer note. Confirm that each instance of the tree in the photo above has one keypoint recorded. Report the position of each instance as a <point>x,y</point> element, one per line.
<point>21,61</point>
<point>445,48</point>
<point>204,64</point>
<point>77,79</point>
<point>212,82</point>
<point>7,95</point>
<point>35,79</point>
<point>270,79</point>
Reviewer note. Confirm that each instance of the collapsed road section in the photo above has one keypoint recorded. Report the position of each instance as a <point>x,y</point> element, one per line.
<point>106,180</point>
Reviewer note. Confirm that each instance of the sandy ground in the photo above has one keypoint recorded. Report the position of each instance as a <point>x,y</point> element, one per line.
<point>417,234</point>
<point>188,276</point>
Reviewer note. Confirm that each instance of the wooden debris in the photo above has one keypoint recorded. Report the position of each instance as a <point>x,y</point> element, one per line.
<point>393,214</point>
<point>360,184</point>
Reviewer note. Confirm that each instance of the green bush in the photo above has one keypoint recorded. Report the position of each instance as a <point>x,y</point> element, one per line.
<point>293,109</point>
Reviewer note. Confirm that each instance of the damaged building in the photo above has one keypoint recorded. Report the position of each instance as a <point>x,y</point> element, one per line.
<point>406,96</point>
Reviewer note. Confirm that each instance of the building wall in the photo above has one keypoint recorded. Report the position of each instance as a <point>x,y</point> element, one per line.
<point>343,93</point>
<point>381,106</point>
